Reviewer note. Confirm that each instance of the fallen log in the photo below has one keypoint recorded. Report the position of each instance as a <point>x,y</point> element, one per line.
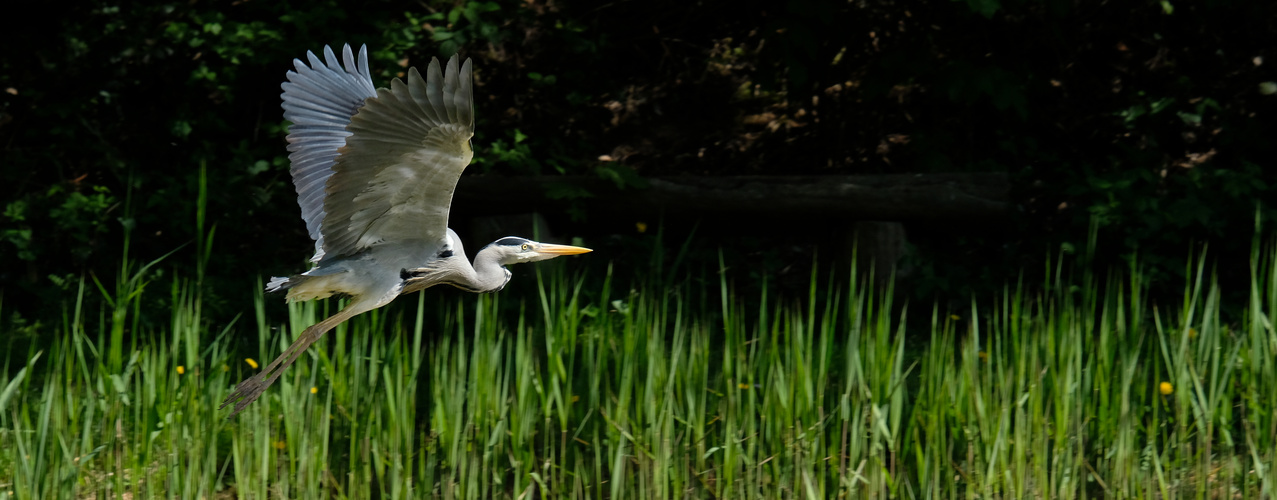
<point>900,197</point>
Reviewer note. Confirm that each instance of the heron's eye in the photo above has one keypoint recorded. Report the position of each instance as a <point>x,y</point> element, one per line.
<point>525,246</point>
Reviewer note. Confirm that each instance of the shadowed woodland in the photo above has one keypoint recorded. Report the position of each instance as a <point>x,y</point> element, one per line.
<point>1152,119</point>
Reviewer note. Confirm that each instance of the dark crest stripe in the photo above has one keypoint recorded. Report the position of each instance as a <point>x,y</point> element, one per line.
<point>511,241</point>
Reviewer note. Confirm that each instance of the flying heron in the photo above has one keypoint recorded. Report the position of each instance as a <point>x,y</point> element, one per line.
<point>375,170</point>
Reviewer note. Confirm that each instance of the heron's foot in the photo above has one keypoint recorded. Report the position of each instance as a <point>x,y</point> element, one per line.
<point>247,392</point>
<point>253,387</point>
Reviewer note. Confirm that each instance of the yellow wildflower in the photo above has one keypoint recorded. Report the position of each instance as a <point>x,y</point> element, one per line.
<point>181,369</point>
<point>1166,388</point>
<point>641,227</point>
<point>251,362</point>
<point>314,390</point>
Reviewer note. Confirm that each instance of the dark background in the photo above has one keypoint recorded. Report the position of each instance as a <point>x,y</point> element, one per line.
<point>1151,121</point>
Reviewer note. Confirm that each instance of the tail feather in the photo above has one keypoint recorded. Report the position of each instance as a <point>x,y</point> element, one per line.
<point>301,287</point>
<point>277,283</point>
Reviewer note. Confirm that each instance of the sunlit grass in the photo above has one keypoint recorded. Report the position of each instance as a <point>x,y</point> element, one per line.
<point>601,389</point>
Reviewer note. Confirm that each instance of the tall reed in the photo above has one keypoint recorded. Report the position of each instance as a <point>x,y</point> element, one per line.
<point>660,388</point>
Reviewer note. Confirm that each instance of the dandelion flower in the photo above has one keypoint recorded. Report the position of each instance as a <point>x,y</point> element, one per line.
<point>314,390</point>
<point>251,362</point>
<point>1166,388</point>
<point>641,227</point>
<point>181,369</point>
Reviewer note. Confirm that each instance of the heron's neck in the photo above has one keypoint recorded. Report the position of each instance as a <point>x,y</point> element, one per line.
<point>488,274</point>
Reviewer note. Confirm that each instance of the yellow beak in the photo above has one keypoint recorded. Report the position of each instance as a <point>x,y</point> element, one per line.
<point>547,248</point>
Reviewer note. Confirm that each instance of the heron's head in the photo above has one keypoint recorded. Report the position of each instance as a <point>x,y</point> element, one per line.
<point>516,250</point>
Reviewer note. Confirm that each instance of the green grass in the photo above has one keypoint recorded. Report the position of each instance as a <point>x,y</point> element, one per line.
<point>593,390</point>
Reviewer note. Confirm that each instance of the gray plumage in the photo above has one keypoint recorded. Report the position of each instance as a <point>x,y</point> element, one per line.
<point>375,171</point>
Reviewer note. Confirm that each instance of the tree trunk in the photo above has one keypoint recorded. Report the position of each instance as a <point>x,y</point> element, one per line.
<point>862,197</point>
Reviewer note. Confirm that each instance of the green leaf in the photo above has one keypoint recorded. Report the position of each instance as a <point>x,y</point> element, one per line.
<point>117,383</point>
<point>16,211</point>
<point>12,388</point>
<point>258,167</point>
<point>985,8</point>
<point>1160,104</point>
<point>558,191</point>
<point>622,175</point>
<point>181,129</point>
<point>471,12</point>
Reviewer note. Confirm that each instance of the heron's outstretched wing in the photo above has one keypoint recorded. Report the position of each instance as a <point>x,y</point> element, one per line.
<point>394,178</point>
<point>320,100</point>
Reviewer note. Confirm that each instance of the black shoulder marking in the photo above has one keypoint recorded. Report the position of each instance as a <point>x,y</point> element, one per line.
<point>466,288</point>
<point>404,274</point>
<point>445,254</point>
<point>510,241</point>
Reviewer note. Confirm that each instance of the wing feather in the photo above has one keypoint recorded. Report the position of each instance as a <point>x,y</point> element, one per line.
<point>450,89</point>
<point>464,95</point>
<point>395,175</point>
<point>420,96</point>
<point>319,100</point>
<point>434,90</point>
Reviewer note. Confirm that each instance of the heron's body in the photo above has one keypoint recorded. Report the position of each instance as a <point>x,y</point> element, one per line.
<point>375,170</point>
<point>374,272</point>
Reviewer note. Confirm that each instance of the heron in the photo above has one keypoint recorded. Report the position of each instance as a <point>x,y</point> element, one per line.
<point>374,170</point>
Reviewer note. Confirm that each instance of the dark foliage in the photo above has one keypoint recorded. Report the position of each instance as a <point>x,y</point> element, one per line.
<point>1153,118</point>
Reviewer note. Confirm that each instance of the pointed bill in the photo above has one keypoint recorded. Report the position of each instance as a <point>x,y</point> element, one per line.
<point>550,249</point>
